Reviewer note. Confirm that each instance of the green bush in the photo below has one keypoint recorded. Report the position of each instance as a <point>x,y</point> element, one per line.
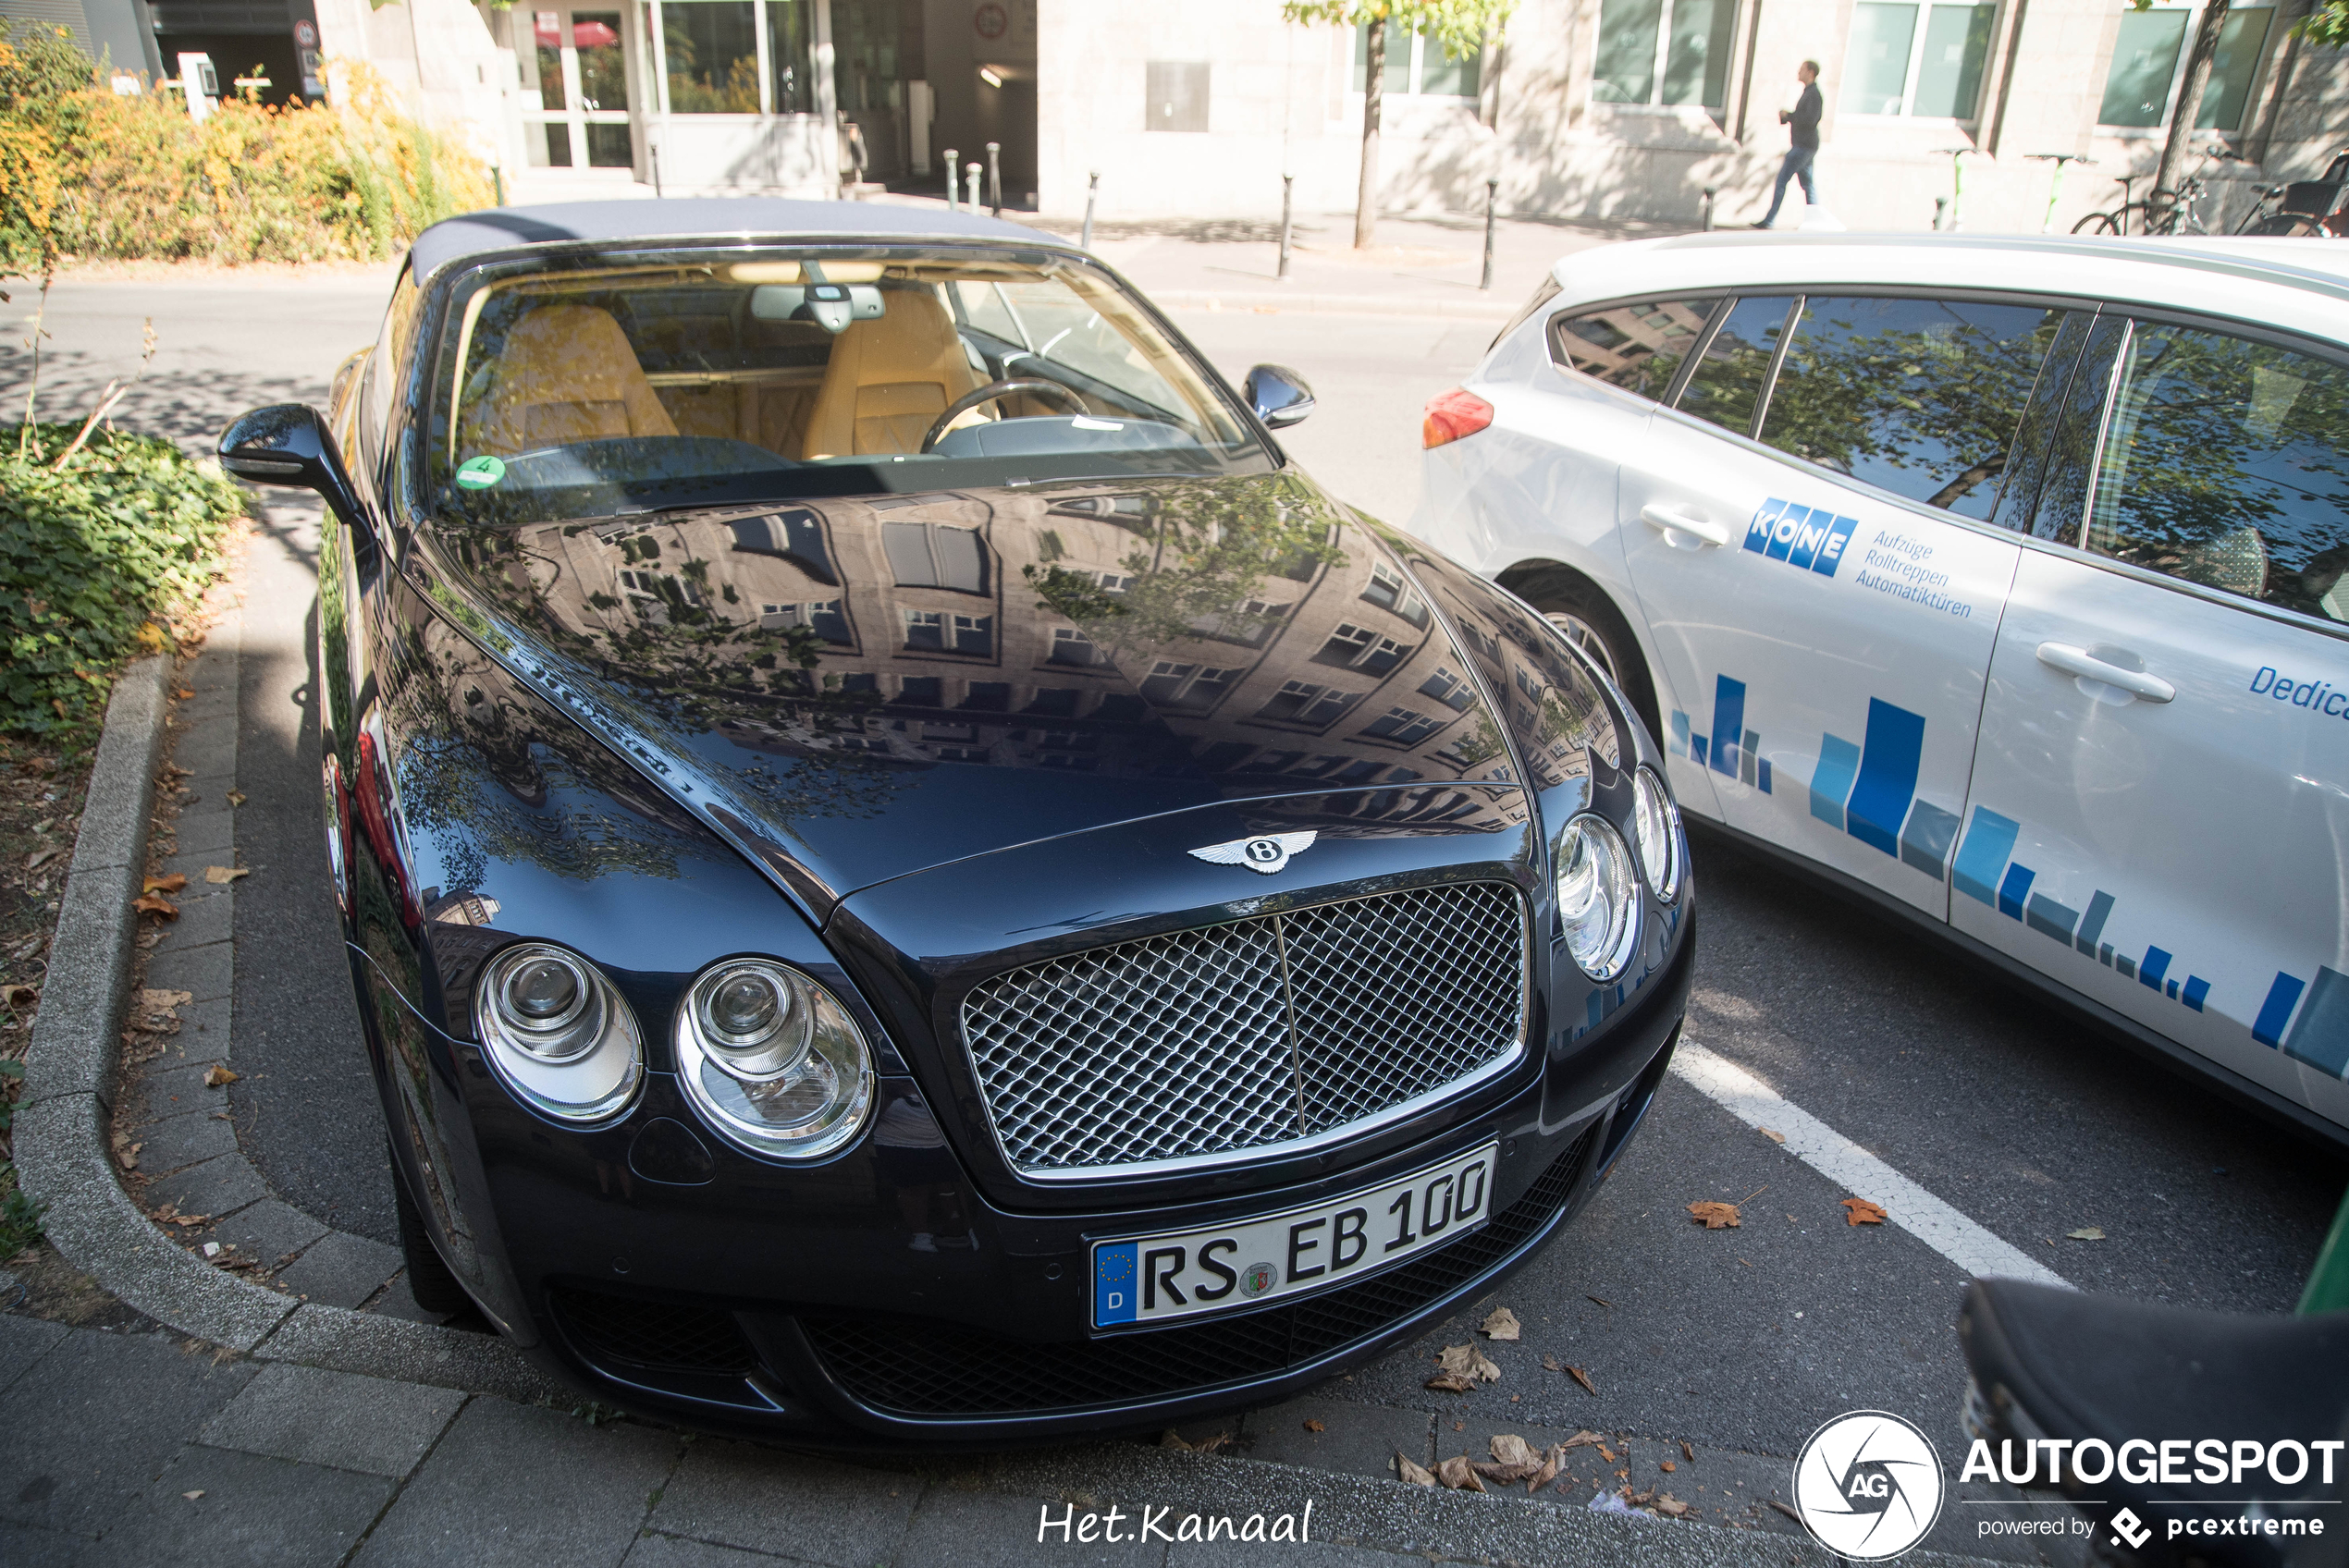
<point>92,562</point>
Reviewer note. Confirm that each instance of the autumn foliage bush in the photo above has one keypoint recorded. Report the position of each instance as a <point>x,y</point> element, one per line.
<point>86,172</point>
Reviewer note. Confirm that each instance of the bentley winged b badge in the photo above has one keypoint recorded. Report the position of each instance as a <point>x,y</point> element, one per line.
<point>1266,853</point>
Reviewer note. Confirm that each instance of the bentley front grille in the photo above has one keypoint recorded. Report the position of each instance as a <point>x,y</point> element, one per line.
<point>1232,1039</point>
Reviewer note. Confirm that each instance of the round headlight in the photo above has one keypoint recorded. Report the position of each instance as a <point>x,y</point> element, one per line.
<point>1657,823</point>
<point>557,1034</point>
<point>1598,908</point>
<point>774,1060</point>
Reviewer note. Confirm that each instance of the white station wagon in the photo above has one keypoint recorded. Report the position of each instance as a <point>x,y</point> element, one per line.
<point>1999,579</point>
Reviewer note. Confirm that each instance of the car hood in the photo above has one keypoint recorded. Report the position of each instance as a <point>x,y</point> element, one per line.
<point>855,689</point>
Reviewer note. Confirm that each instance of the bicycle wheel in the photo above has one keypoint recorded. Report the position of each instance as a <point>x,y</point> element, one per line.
<point>2096,223</point>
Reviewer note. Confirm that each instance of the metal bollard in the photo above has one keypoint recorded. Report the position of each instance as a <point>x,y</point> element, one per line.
<point>995,178</point>
<point>952,170</point>
<point>970,183</point>
<point>1492,195</point>
<point>1288,191</point>
<point>1710,191</point>
<point>1092,188</point>
<point>1941,207</point>
<point>498,174</point>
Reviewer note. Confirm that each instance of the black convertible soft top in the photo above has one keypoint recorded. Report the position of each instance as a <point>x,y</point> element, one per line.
<point>752,217</point>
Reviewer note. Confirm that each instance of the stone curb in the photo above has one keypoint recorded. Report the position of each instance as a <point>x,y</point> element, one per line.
<point>1239,302</point>
<point>71,1079</point>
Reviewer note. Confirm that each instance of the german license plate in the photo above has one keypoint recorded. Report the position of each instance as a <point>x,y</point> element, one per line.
<point>1294,1253</point>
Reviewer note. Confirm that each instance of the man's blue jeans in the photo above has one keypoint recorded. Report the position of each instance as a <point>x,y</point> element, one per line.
<point>1797,166</point>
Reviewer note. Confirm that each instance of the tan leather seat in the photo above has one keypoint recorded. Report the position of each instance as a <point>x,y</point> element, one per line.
<point>887,380</point>
<point>566,374</point>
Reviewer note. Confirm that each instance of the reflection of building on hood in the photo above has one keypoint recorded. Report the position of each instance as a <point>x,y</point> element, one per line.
<point>1238,629</point>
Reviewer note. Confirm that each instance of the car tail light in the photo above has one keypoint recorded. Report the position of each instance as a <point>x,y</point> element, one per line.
<point>1453,415</point>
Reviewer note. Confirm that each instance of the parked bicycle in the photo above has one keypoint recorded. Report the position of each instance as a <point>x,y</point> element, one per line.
<point>2305,208</point>
<point>2162,212</point>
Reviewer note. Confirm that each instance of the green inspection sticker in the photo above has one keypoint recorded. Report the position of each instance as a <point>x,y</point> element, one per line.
<point>480,473</point>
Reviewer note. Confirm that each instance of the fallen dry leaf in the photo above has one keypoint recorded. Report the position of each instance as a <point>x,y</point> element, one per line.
<point>1774,1137</point>
<point>1449,1383</point>
<point>1788,1511</point>
<point>1552,1364</point>
<point>170,884</point>
<point>1600,1300</point>
<point>236,797</point>
<point>1686,1453</point>
<point>1551,1461</point>
<point>1715,1215</point>
<point>1608,1455</point>
<point>1459,1474</point>
<point>39,858</point>
<point>156,903</point>
<point>1860,1211</point>
<point>1584,1378</point>
<point>219,1077</point>
<point>1669,1467</point>
<point>1469,1362</point>
<point>1510,1449</point>
<point>1172,1438</point>
<point>221,875</point>
<point>151,1000</point>
<point>21,995</point>
<point>1669,1506</point>
<point>1412,1471</point>
<point>1584,1438</point>
<point>1502,1324</point>
<point>1315,1427</point>
<point>183,692</point>
<point>2087,1233</point>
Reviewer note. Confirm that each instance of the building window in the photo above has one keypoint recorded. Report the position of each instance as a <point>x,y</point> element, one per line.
<point>1663,52</point>
<point>1054,701</point>
<point>1449,688</point>
<point>2149,66</point>
<point>796,536</point>
<point>921,691</point>
<point>1388,591</point>
<point>1417,64</point>
<point>1072,646</point>
<point>1896,66</point>
<point>988,696</point>
<point>821,617</point>
<point>1186,686</point>
<point>1301,701</point>
<point>931,555</point>
<point>1176,95</point>
<point>1403,727</point>
<point>718,58</point>
<point>1359,647</point>
<point>939,631</point>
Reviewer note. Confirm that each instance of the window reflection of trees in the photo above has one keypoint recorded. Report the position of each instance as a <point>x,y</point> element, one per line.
<point>2222,465</point>
<point>1917,397</point>
<point>1637,347</point>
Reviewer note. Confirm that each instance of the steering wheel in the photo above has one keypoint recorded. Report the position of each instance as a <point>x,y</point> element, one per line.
<point>995,390</point>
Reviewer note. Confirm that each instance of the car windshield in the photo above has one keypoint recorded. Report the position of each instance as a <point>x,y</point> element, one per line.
<point>624,383</point>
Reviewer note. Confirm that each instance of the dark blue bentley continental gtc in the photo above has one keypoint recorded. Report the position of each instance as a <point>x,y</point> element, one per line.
<point>909,876</point>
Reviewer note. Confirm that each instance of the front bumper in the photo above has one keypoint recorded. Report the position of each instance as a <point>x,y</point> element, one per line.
<point>885,1299</point>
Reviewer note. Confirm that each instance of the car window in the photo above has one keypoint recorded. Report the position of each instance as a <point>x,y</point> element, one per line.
<point>1725,386</point>
<point>1637,347</point>
<point>1917,397</point>
<point>2226,463</point>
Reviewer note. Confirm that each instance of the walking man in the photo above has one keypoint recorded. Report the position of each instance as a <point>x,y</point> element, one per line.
<point>1804,120</point>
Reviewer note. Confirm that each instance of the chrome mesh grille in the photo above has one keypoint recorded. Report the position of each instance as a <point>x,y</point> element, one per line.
<point>1198,1044</point>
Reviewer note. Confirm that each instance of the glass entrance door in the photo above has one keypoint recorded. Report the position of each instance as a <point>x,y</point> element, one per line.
<point>579,64</point>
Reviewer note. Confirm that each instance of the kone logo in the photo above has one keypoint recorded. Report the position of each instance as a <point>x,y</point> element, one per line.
<point>1808,538</point>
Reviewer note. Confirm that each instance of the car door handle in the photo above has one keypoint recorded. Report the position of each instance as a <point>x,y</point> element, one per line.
<point>1664,520</point>
<point>2087,667</point>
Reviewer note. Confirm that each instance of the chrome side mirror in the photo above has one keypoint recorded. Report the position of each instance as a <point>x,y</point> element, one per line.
<point>1278,395</point>
<point>288,444</point>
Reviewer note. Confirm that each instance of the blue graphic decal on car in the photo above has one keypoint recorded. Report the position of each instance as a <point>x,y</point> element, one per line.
<point>1987,872</point>
<point>2321,1034</point>
<point>1808,538</point>
<point>1730,750</point>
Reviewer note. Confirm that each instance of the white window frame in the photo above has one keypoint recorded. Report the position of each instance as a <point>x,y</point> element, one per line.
<point>1655,105</point>
<point>1916,64</point>
<point>1420,42</point>
<point>2161,129</point>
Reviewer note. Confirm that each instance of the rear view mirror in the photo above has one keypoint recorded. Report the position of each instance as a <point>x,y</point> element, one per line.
<point>288,444</point>
<point>1278,395</point>
<point>829,305</point>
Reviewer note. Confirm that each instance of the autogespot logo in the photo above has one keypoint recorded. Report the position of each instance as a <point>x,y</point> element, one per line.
<point>1868,1485</point>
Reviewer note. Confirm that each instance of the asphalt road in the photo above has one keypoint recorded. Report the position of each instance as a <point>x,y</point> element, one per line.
<point>1741,1339</point>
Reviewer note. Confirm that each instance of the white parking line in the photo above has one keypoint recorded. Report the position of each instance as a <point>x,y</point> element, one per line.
<point>1859,1173</point>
